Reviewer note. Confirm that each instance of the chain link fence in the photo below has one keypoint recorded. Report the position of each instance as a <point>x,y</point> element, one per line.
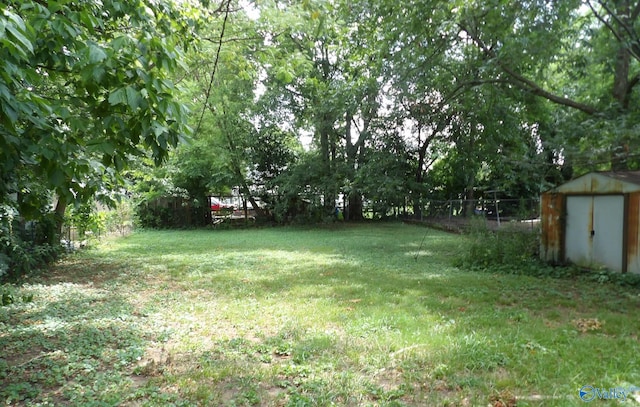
<point>458,214</point>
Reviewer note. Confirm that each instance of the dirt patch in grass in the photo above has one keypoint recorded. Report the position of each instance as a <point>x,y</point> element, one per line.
<point>155,361</point>
<point>79,269</point>
<point>503,399</point>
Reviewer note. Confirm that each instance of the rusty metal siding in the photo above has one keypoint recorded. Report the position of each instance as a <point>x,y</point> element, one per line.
<point>632,248</point>
<point>552,222</point>
<point>554,219</point>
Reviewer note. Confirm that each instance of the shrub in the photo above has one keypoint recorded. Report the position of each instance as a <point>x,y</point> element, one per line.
<point>157,217</point>
<point>25,246</point>
<point>85,219</point>
<point>120,219</point>
<point>11,295</point>
<point>507,246</point>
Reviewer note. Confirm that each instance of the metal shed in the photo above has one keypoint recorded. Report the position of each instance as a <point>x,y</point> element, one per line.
<point>593,221</point>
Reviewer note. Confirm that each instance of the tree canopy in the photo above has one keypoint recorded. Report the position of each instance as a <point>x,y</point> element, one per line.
<point>305,105</point>
<point>84,85</point>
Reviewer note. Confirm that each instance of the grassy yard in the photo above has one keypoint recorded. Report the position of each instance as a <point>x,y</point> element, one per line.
<point>345,316</point>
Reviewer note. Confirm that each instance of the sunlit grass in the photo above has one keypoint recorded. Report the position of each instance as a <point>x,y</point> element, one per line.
<point>349,315</point>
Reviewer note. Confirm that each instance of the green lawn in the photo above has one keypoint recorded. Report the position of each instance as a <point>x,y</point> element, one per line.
<point>345,316</point>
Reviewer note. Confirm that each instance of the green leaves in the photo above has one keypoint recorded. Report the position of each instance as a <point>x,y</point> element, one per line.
<point>95,54</point>
<point>84,87</point>
<point>133,97</point>
<point>15,35</point>
<point>284,75</point>
<point>127,96</point>
<point>119,97</point>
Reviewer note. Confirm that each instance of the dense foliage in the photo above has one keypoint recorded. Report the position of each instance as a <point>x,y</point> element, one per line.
<point>84,87</point>
<point>393,105</point>
<point>299,107</point>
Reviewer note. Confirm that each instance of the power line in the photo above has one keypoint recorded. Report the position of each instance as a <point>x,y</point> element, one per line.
<point>215,65</point>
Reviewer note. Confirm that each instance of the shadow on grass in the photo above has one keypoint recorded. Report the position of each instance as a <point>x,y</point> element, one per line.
<point>73,344</point>
<point>469,337</point>
<point>368,315</point>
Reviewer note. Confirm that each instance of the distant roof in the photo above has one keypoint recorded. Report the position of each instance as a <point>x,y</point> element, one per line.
<point>602,182</point>
<point>627,176</point>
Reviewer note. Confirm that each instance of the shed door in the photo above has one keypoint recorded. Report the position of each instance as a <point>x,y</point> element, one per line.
<point>595,230</point>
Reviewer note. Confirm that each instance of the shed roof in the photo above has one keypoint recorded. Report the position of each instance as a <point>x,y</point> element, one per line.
<point>603,182</point>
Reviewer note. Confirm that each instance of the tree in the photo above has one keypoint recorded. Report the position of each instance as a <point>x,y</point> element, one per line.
<point>322,74</point>
<point>384,174</point>
<point>587,62</point>
<point>84,86</point>
<point>224,77</point>
<point>502,88</point>
<point>444,105</point>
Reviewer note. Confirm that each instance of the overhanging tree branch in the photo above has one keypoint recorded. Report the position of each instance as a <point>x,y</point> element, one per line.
<point>463,86</point>
<point>632,83</point>
<point>229,40</point>
<point>636,11</point>
<point>537,90</point>
<point>620,21</point>
<point>634,46</point>
<point>605,22</point>
<point>523,82</point>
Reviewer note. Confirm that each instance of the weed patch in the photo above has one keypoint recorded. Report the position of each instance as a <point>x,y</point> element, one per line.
<point>512,250</point>
<point>508,246</point>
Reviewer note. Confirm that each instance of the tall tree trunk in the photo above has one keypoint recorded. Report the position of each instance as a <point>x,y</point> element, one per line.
<point>419,176</point>
<point>355,207</point>
<point>327,151</point>
<point>469,196</point>
<point>206,211</point>
<point>353,211</point>
<point>470,170</point>
<point>621,93</point>
<point>422,158</point>
<point>247,193</point>
<point>237,169</point>
<point>621,79</point>
<point>59,211</point>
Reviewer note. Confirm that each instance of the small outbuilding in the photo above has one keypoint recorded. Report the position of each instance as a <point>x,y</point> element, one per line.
<point>593,221</point>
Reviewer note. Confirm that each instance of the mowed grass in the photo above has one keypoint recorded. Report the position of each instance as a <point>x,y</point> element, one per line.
<point>351,315</point>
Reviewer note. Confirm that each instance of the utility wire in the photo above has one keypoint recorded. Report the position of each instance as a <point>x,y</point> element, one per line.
<point>227,11</point>
<point>421,243</point>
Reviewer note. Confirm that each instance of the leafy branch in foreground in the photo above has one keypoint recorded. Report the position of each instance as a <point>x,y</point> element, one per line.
<point>85,87</point>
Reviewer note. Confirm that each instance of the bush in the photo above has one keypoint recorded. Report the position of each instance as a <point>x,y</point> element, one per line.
<point>509,247</point>
<point>85,219</point>
<point>152,217</point>
<point>11,295</point>
<point>120,219</point>
<point>25,246</point>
